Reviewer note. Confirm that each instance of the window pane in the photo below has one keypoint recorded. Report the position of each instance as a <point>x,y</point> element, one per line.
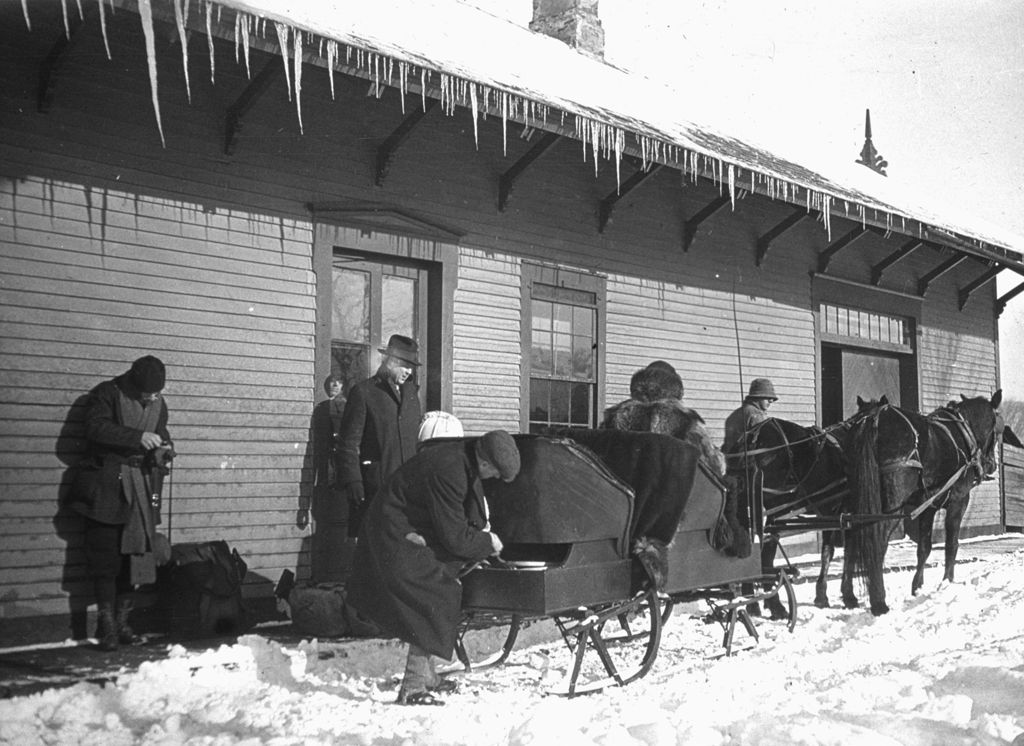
<point>540,353</point>
<point>559,402</point>
<point>582,358</point>
<point>583,321</point>
<point>563,318</point>
<point>580,406</point>
<point>541,310</point>
<point>350,314</point>
<point>398,307</point>
<point>540,394</point>
<point>563,354</point>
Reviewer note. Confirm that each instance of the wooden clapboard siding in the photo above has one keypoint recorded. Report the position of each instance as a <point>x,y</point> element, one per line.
<point>227,305</point>
<point>486,391</point>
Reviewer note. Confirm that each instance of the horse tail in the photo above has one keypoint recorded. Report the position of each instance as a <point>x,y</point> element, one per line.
<point>865,544</point>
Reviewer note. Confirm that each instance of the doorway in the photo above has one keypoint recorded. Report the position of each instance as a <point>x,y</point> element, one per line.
<point>372,299</point>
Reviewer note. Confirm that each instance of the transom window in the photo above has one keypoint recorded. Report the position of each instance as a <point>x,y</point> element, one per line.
<point>868,328</point>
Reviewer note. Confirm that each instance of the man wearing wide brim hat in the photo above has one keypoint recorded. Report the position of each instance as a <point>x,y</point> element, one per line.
<point>753,411</point>
<point>379,427</point>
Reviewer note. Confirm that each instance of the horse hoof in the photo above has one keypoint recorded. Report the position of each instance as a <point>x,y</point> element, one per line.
<point>851,603</point>
<point>878,610</point>
<point>822,603</point>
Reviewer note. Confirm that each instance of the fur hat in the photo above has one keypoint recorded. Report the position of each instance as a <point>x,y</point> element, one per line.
<point>403,348</point>
<point>500,449</point>
<point>658,380</point>
<point>148,374</point>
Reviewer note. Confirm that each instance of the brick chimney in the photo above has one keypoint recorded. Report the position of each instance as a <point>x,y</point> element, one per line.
<point>573,21</point>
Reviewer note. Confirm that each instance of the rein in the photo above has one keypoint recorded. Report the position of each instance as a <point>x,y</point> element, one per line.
<point>941,419</point>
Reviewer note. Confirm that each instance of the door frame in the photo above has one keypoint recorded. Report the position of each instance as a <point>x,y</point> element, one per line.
<point>388,234</point>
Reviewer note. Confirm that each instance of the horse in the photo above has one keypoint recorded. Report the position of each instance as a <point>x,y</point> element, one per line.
<point>804,473</point>
<point>908,466</point>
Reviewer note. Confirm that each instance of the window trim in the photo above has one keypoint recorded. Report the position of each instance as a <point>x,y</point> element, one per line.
<point>572,279</point>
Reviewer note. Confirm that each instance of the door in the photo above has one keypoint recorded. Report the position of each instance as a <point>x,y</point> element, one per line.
<point>848,373</point>
<point>371,300</point>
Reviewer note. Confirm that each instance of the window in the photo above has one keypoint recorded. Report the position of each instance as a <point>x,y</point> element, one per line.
<point>561,349</point>
<point>864,327</point>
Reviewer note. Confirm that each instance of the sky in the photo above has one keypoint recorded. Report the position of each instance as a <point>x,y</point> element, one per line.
<point>944,80</point>
<point>943,667</point>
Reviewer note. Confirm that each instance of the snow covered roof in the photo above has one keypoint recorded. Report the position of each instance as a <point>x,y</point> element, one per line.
<point>470,58</point>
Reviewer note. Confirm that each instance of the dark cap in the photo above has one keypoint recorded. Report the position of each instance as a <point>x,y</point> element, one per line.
<point>762,388</point>
<point>403,348</point>
<point>500,449</point>
<point>148,374</point>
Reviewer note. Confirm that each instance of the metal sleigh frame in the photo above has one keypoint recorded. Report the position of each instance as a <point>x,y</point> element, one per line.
<point>605,605</point>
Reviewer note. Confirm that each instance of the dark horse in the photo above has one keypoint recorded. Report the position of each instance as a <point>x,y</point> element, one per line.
<point>907,465</point>
<point>803,473</point>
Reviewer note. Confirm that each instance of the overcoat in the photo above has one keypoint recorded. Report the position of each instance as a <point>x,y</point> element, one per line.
<point>377,427</point>
<point>97,491</point>
<point>739,423</point>
<point>410,591</point>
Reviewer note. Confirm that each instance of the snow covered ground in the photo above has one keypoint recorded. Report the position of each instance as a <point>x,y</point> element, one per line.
<point>945,667</point>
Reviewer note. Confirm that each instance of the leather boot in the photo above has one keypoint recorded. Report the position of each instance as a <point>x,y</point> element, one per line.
<point>125,634</point>
<point>106,628</point>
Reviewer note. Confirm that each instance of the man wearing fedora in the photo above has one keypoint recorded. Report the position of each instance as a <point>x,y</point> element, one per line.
<point>379,427</point>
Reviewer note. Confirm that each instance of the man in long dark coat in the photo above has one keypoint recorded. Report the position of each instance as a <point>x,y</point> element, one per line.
<point>419,532</point>
<point>115,489</point>
<point>379,427</point>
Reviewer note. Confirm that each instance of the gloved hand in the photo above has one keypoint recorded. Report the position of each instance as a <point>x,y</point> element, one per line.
<point>355,493</point>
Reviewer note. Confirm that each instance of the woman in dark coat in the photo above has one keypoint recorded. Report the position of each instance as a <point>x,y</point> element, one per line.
<point>418,533</point>
<point>128,443</point>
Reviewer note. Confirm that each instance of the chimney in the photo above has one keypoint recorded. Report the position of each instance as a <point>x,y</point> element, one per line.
<point>574,22</point>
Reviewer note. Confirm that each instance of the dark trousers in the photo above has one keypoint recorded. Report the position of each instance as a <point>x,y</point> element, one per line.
<point>108,569</point>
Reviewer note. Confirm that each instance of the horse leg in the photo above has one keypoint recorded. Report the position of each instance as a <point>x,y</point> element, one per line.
<point>922,534</point>
<point>955,510</point>
<point>846,587</point>
<point>828,552</point>
<point>774,606</point>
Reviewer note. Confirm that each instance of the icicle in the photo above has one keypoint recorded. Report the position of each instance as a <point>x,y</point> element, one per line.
<point>24,9</point>
<point>423,87</point>
<point>403,71</point>
<point>81,15</point>
<point>732,186</point>
<point>103,28</point>
<point>246,21</point>
<point>282,40</point>
<point>67,26</point>
<point>473,113</point>
<point>332,59</point>
<point>146,14</point>
<point>504,124</point>
<point>179,19</point>
<point>209,37</point>
<point>298,77</point>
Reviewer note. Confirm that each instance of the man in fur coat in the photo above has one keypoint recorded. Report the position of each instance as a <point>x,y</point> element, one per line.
<point>655,405</point>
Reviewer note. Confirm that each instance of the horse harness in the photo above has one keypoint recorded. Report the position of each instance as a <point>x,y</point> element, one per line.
<point>944,419</point>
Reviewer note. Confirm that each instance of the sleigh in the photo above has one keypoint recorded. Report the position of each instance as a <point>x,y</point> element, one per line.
<point>570,523</point>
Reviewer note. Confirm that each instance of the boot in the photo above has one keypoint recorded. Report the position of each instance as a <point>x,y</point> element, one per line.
<point>125,634</point>
<point>106,628</point>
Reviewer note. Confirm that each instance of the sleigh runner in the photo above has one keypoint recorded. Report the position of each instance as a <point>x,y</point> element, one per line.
<point>572,524</point>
